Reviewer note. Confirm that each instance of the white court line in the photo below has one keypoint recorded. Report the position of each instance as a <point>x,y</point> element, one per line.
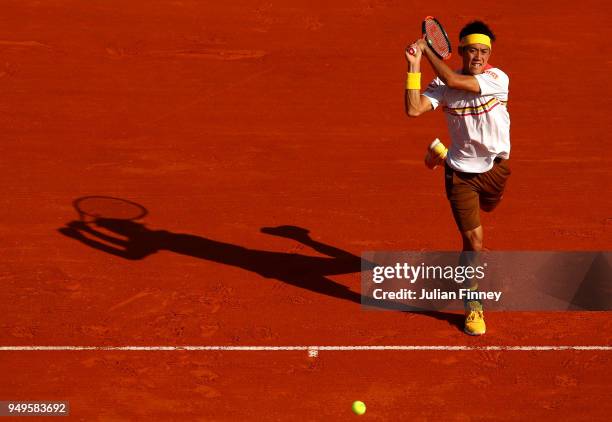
<point>300,348</point>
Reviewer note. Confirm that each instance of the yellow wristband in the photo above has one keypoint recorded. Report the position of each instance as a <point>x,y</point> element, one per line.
<point>413,81</point>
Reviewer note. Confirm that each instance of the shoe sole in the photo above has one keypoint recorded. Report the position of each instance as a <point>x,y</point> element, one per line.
<point>473,334</point>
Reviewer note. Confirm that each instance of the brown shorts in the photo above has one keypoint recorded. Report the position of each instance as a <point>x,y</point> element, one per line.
<point>467,192</point>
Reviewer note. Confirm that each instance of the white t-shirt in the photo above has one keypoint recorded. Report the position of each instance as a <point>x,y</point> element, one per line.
<point>479,124</point>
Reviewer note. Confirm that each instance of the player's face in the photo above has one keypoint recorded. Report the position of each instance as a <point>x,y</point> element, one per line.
<point>475,58</point>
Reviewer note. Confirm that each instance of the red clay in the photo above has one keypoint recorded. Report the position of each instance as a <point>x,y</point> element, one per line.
<point>224,119</point>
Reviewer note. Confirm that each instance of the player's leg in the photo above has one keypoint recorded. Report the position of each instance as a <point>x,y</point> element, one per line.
<point>490,187</point>
<point>470,257</point>
<point>472,239</point>
<point>464,201</point>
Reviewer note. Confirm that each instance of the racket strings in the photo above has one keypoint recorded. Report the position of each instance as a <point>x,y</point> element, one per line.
<point>436,38</point>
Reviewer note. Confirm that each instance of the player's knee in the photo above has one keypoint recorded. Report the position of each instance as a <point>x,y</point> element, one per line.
<point>488,206</point>
<point>475,245</point>
<point>472,241</point>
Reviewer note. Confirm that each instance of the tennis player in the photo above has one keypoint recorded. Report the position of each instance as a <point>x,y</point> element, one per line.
<point>474,101</point>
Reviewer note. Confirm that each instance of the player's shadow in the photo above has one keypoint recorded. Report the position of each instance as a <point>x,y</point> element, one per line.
<point>303,271</point>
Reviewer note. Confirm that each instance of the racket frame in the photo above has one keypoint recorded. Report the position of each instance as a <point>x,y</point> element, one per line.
<point>412,51</point>
<point>428,41</point>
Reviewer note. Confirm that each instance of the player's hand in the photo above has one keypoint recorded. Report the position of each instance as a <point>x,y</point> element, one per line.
<point>416,57</point>
<point>421,44</point>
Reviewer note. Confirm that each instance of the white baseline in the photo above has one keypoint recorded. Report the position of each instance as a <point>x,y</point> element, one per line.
<point>305,348</point>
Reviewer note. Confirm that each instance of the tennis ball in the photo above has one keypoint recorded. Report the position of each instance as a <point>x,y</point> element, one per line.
<point>359,407</point>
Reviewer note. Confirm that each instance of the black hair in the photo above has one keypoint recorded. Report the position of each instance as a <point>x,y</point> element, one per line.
<point>477,27</point>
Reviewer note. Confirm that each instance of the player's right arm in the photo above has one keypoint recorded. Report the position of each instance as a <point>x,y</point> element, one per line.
<point>415,104</point>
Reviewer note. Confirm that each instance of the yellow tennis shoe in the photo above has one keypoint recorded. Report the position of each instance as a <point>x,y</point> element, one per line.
<point>474,319</point>
<point>436,154</point>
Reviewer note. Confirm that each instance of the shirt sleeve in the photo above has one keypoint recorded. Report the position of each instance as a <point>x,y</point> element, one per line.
<point>493,82</point>
<point>435,92</point>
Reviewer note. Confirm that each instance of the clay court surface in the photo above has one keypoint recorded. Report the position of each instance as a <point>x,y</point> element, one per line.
<point>224,119</point>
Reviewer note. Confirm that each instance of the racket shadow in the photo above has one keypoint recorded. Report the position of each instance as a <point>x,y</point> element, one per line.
<point>134,241</point>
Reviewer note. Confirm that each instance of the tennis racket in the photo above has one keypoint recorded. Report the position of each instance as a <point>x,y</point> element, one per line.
<point>436,37</point>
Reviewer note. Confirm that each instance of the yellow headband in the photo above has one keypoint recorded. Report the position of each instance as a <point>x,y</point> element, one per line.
<point>475,39</point>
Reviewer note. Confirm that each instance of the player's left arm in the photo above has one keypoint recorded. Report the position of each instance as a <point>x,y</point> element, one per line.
<point>446,74</point>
